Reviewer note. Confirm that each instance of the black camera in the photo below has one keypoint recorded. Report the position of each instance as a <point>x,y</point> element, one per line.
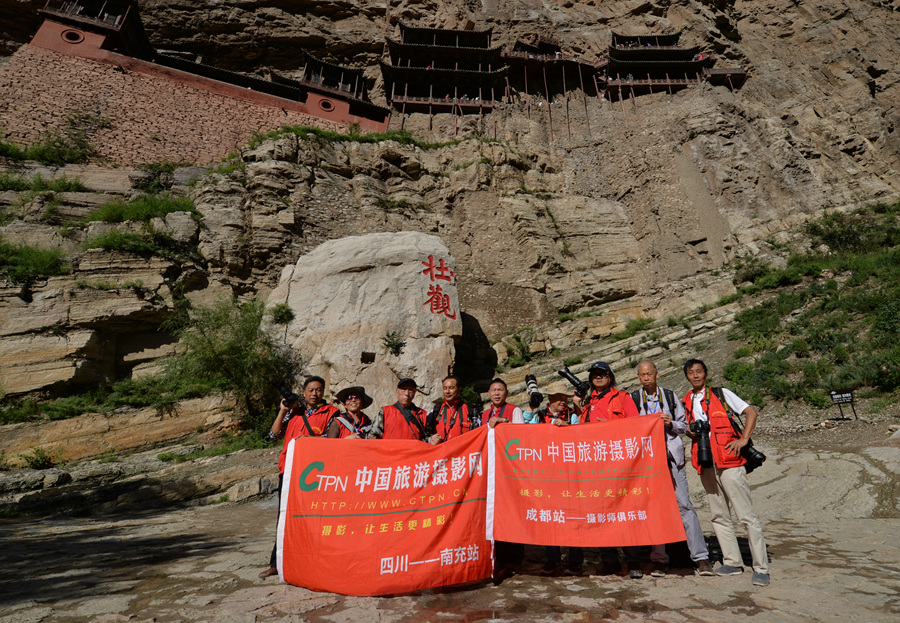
<point>702,447</point>
<point>289,396</point>
<point>754,457</point>
<point>581,387</point>
<point>535,397</point>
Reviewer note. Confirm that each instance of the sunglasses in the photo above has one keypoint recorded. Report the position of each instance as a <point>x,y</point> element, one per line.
<point>349,398</point>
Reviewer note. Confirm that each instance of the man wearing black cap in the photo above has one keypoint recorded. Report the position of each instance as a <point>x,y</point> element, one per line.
<point>403,419</point>
<point>604,403</point>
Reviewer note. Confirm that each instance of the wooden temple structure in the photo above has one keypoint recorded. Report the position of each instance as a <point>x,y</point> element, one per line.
<point>111,31</point>
<point>434,70</point>
<point>430,70</point>
<point>645,64</point>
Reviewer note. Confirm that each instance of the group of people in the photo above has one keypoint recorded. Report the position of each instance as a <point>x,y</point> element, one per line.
<point>725,480</point>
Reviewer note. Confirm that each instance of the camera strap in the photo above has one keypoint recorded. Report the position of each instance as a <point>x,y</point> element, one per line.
<point>304,413</point>
<point>411,420</point>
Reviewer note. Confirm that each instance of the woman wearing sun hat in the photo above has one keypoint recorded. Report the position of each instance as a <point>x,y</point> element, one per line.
<point>351,423</point>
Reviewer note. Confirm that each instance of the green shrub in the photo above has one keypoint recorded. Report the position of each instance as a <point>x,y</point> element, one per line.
<point>749,268</point>
<point>632,327</point>
<point>159,392</point>
<point>573,361</point>
<point>40,458</point>
<point>23,263</point>
<point>229,444</point>
<point>404,137</point>
<point>801,347</point>
<point>143,208</point>
<point>817,399</point>
<point>393,342</point>
<point>225,346</point>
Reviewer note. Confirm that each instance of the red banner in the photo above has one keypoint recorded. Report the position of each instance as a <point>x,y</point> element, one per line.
<point>603,484</point>
<point>365,517</point>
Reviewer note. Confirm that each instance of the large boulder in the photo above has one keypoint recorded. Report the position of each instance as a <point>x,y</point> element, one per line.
<point>349,294</point>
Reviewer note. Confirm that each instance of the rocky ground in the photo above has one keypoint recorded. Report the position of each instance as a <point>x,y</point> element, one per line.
<point>830,517</point>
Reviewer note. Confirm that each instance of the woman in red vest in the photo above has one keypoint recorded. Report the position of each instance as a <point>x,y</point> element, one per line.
<point>352,423</point>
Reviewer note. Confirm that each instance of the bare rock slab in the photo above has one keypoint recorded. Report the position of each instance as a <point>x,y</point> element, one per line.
<point>348,294</point>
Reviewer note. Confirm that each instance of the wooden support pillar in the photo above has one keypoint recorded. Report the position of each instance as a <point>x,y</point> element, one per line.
<point>566,99</point>
<point>730,83</point>
<point>584,100</point>
<point>547,92</point>
<point>453,108</point>
<point>527,101</point>
<point>597,88</point>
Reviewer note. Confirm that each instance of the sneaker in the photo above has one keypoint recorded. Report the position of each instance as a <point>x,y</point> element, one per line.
<point>704,568</point>
<point>760,579</point>
<point>657,570</point>
<point>634,570</point>
<point>550,568</point>
<point>729,570</point>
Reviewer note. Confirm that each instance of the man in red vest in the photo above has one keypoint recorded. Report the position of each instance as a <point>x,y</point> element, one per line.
<point>452,417</point>
<point>403,419</point>
<point>725,480</point>
<point>604,403</point>
<point>309,419</point>
<point>508,556</point>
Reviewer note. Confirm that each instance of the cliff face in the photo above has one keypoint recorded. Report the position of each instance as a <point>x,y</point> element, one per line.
<point>632,207</point>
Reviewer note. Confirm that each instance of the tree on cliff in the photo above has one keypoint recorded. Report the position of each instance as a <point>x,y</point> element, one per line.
<point>226,345</point>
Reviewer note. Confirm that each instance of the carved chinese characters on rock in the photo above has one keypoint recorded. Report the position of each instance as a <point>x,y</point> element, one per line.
<point>438,301</point>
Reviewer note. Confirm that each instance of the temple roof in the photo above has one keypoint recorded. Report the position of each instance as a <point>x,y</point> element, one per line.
<point>404,27</point>
<point>439,36</point>
<point>666,40</point>
<point>650,54</point>
<point>398,49</point>
<point>348,71</point>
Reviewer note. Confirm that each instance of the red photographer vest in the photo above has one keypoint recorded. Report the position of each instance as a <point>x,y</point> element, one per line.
<point>343,431</point>
<point>396,426</point>
<point>451,422</point>
<point>296,427</point>
<point>614,405</point>
<point>720,430</point>
<point>506,411</point>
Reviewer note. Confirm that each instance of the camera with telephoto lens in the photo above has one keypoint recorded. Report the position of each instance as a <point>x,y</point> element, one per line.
<point>754,457</point>
<point>700,428</point>
<point>535,397</point>
<point>581,387</point>
<point>289,399</point>
<point>289,396</point>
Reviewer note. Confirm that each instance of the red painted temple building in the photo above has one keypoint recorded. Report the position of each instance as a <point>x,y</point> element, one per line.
<point>111,31</point>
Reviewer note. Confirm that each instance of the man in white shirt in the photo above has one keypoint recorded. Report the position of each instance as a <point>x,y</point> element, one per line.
<point>723,475</point>
<point>652,399</point>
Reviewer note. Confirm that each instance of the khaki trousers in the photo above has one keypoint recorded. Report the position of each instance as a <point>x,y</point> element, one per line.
<point>726,490</point>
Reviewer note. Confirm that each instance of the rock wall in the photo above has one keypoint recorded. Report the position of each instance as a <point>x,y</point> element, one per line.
<point>349,294</point>
<point>143,118</point>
